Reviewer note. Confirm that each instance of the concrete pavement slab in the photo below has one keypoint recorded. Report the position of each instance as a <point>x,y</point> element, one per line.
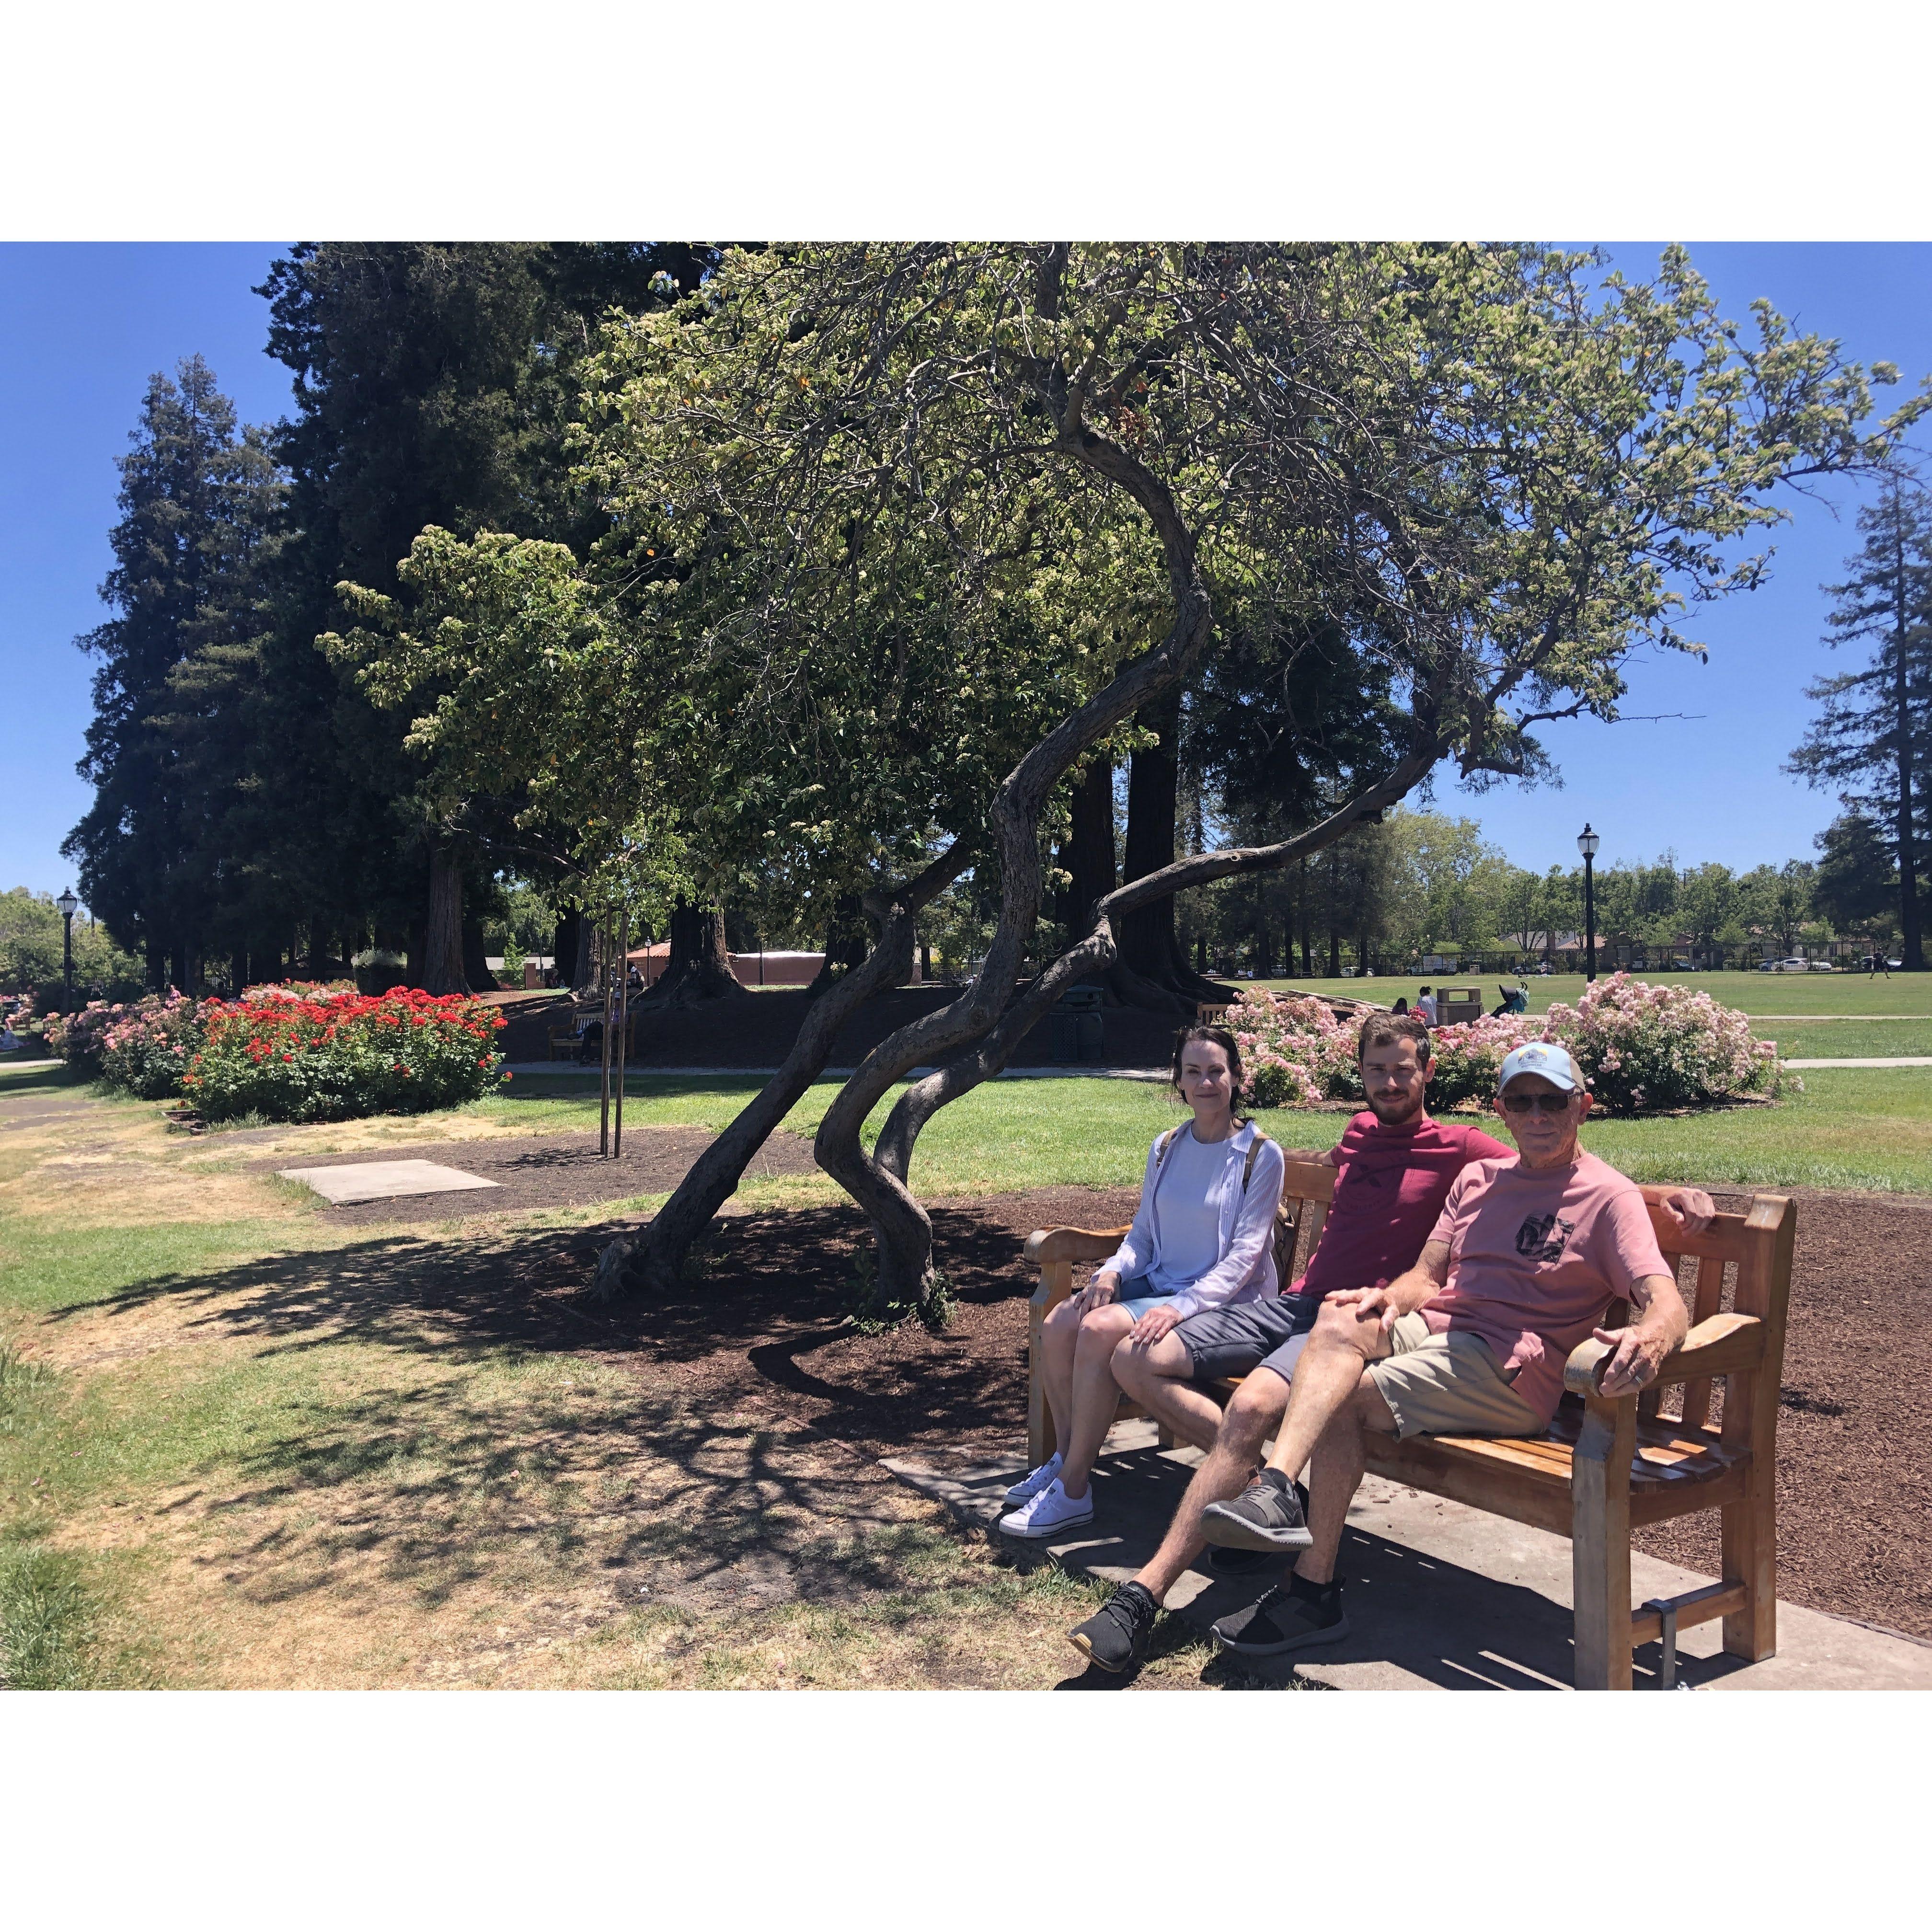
<point>1440,1596</point>
<point>384,1180</point>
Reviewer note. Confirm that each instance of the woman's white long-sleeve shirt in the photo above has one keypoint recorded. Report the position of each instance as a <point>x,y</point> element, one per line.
<point>1245,1270</point>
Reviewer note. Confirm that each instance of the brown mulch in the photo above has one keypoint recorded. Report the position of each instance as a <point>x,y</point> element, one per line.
<point>759,1329</point>
<point>558,1171</point>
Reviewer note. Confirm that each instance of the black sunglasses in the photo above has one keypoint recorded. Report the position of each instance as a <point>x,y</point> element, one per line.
<point>1544,1103</point>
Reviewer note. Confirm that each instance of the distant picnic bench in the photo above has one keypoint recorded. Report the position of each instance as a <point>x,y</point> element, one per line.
<point>1607,1464</point>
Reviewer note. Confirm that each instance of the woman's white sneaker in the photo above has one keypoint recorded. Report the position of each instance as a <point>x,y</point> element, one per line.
<point>1030,1485</point>
<point>1052,1510</point>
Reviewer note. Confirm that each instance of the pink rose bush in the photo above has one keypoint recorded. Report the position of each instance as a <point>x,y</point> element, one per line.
<point>1645,1048</point>
<point>1642,1049</point>
<point>1294,1051</point>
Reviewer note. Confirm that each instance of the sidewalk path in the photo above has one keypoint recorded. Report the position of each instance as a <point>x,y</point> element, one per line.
<point>1440,1596</point>
<point>1800,1065</point>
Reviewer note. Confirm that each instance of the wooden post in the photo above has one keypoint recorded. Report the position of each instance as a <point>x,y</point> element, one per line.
<point>1599,1565</point>
<point>1748,1537</point>
<point>623,1026</point>
<point>604,1115</point>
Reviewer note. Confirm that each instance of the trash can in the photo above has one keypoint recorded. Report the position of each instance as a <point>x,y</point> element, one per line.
<point>1456,1006</point>
<point>1079,1026</point>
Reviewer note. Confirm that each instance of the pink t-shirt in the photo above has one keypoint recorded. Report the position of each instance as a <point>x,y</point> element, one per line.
<point>1535,1260</point>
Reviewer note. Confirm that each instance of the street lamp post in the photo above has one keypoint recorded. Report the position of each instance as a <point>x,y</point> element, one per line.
<point>1587,842</point>
<point>69,905</point>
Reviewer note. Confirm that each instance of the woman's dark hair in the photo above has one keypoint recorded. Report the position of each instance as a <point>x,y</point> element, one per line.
<point>1214,1035</point>
<point>1401,1005</point>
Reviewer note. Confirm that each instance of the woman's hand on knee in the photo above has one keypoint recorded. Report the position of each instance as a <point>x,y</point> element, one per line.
<point>1155,1324</point>
<point>1104,1288</point>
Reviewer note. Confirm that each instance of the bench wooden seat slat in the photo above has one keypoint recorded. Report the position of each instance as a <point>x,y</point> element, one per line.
<point>1605,1466</point>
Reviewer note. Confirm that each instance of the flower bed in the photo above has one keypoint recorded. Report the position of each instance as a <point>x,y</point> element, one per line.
<point>1642,1049</point>
<point>296,1053</point>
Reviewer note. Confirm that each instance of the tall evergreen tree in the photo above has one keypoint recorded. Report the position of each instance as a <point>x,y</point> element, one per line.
<point>196,501</point>
<point>1869,738</point>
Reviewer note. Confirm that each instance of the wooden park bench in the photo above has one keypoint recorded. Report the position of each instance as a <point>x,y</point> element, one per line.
<point>1607,1465</point>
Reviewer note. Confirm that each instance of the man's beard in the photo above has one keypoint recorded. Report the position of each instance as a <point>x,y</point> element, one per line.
<point>1406,1110</point>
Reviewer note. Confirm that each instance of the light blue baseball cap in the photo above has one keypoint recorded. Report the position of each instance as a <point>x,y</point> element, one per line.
<point>1542,1057</point>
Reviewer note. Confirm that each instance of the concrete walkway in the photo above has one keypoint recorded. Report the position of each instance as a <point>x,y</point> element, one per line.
<point>1440,1597</point>
<point>1802,1066</point>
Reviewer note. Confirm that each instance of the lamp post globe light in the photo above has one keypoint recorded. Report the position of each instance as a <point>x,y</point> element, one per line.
<point>1587,842</point>
<point>69,905</point>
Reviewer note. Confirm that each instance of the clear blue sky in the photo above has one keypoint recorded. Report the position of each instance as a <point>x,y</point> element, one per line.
<point>82,327</point>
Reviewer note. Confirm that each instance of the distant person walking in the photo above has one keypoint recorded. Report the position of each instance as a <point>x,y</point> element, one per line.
<point>1879,964</point>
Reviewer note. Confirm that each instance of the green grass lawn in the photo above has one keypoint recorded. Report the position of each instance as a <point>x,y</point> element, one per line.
<point>1806,993</point>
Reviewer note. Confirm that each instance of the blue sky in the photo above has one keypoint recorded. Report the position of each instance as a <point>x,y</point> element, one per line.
<point>83,326</point>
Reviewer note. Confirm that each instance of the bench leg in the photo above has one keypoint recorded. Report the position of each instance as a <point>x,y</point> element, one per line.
<point>1749,1539</point>
<point>1600,1545</point>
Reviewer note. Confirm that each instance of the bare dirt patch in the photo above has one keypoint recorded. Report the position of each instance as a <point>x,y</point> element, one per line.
<point>556,1171</point>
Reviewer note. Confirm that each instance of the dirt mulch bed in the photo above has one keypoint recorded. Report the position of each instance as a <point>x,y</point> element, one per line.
<point>558,1171</point>
<point>758,1331</point>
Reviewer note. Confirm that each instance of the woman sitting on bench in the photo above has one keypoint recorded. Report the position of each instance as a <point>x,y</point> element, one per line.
<point>1203,1238</point>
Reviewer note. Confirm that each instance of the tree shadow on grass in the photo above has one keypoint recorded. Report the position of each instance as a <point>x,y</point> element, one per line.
<point>760,1319</point>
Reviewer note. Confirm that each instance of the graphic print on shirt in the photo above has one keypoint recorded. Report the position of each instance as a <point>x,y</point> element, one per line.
<point>1541,1237</point>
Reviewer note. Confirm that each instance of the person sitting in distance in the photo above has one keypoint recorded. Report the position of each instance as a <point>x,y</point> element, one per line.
<point>1203,1238</point>
<point>1396,1166</point>
<point>1521,1267</point>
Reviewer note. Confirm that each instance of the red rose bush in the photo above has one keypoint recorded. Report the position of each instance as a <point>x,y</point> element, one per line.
<point>312,1053</point>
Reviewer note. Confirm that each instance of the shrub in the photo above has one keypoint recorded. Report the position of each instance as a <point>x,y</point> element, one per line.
<point>80,1038</point>
<point>1642,1047</point>
<point>146,1048</point>
<point>312,1053</point>
<point>1645,1048</point>
<point>1294,1051</point>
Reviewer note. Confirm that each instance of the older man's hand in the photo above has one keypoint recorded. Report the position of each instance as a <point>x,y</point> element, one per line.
<point>1691,1208</point>
<point>1635,1359</point>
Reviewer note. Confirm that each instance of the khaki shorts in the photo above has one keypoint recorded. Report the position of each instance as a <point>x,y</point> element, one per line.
<point>1448,1385</point>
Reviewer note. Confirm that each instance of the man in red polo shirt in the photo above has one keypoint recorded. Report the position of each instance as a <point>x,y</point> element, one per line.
<point>1396,1166</point>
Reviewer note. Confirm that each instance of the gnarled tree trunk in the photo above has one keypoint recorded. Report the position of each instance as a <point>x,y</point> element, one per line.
<point>652,1259</point>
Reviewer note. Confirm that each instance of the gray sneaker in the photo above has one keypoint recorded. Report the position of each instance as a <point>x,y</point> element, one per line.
<point>1267,1515</point>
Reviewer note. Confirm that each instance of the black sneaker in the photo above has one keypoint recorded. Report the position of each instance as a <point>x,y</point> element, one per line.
<point>1267,1515</point>
<point>1286,1618</point>
<point>1115,1636</point>
<point>1227,1561</point>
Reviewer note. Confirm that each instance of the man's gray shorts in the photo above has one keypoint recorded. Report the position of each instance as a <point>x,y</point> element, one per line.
<point>1265,1334</point>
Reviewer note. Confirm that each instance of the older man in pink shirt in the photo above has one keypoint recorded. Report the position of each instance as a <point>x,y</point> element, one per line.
<point>1526,1257</point>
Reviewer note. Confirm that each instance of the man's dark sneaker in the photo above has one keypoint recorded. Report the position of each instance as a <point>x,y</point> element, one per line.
<point>1287,1618</point>
<point>1267,1515</point>
<point>1115,1636</point>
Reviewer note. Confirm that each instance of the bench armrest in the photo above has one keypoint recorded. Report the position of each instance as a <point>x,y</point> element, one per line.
<point>1718,1345</point>
<point>1072,1244</point>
